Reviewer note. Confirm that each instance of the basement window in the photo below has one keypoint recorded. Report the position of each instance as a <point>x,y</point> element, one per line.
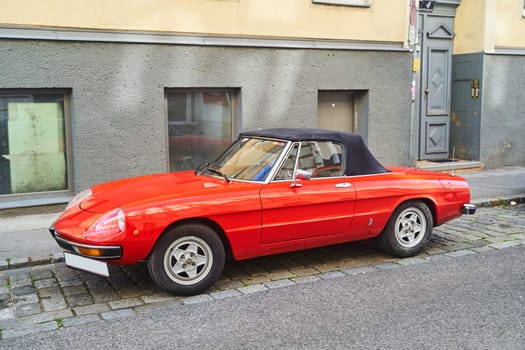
<point>34,143</point>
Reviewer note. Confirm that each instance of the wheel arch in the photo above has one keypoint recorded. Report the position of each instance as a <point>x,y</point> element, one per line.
<point>427,201</point>
<point>203,221</point>
<point>389,237</point>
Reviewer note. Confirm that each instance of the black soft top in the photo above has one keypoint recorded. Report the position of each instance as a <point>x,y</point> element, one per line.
<point>359,160</point>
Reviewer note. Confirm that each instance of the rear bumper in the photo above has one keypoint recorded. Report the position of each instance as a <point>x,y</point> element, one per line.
<point>469,209</point>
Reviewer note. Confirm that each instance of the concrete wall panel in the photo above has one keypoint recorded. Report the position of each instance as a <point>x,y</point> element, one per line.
<point>117,102</point>
<point>502,122</point>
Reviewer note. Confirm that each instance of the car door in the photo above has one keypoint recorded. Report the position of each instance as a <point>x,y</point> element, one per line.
<point>309,197</point>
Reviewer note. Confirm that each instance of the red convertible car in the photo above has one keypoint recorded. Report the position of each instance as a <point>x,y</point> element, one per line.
<point>271,191</point>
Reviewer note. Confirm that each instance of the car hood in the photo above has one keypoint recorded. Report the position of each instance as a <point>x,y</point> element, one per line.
<point>143,190</point>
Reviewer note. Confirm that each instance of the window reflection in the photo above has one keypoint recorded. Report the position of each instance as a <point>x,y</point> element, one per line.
<point>199,127</point>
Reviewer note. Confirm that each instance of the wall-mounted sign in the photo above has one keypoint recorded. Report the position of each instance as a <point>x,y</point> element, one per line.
<point>426,5</point>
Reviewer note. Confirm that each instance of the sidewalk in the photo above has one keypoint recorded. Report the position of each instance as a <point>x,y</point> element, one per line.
<point>25,240</point>
<point>490,187</point>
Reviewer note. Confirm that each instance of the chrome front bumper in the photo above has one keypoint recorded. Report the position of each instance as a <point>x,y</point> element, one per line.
<point>469,209</point>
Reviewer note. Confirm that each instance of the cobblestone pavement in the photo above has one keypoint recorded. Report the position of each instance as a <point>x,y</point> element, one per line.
<point>50,297</point>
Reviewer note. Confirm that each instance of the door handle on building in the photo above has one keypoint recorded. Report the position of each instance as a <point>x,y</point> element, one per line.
<point>474,89</point>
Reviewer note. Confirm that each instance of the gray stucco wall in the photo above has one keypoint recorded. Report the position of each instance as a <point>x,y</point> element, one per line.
<point>118,120</point>
<point>502,117</point>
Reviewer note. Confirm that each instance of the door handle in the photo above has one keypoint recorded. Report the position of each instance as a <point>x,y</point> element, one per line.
<point>343,185</point>
<point>295,185</point>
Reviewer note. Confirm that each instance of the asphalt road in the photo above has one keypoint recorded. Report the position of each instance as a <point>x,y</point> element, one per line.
<point>470,302</point>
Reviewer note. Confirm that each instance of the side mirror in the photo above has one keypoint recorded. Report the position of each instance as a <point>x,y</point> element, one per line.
<point>302,175</point>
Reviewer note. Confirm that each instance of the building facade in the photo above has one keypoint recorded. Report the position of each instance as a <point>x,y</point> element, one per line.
<point>99,90</point>
<point>488,82</point>
<point>92,91</point>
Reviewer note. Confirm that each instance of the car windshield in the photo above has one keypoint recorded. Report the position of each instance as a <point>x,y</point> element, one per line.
<point>249,159</point>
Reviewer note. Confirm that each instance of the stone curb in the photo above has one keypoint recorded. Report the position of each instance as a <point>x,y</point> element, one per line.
<point>17,263</point>
<point>496,201</point>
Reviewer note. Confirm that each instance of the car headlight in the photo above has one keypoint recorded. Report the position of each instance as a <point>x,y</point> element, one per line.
<point>108,227</point>
<point>79,198</point>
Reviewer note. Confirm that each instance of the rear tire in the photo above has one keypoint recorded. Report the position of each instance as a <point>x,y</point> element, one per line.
<point>187,260</point>
<point>408,230</point>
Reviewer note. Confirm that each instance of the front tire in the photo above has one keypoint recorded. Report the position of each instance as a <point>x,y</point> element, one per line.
<point>187,260</point>
<point>408,230</point>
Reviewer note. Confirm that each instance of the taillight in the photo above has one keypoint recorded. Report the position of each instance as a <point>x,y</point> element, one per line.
<point>108,227</point>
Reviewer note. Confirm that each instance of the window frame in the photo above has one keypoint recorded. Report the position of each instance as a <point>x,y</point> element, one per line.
<point>285,156</point>
<point>299,145</point>
<point>235,97</point>
<point>325,141</point>
<point>353,3</point>
<point>19,200</point>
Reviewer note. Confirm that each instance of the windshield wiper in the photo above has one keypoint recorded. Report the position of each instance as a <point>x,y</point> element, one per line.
<point>206,167</point>
<point>217,172</point>
<point>202,168</point>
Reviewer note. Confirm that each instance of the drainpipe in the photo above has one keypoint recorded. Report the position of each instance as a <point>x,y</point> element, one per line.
<point>416,64</point>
